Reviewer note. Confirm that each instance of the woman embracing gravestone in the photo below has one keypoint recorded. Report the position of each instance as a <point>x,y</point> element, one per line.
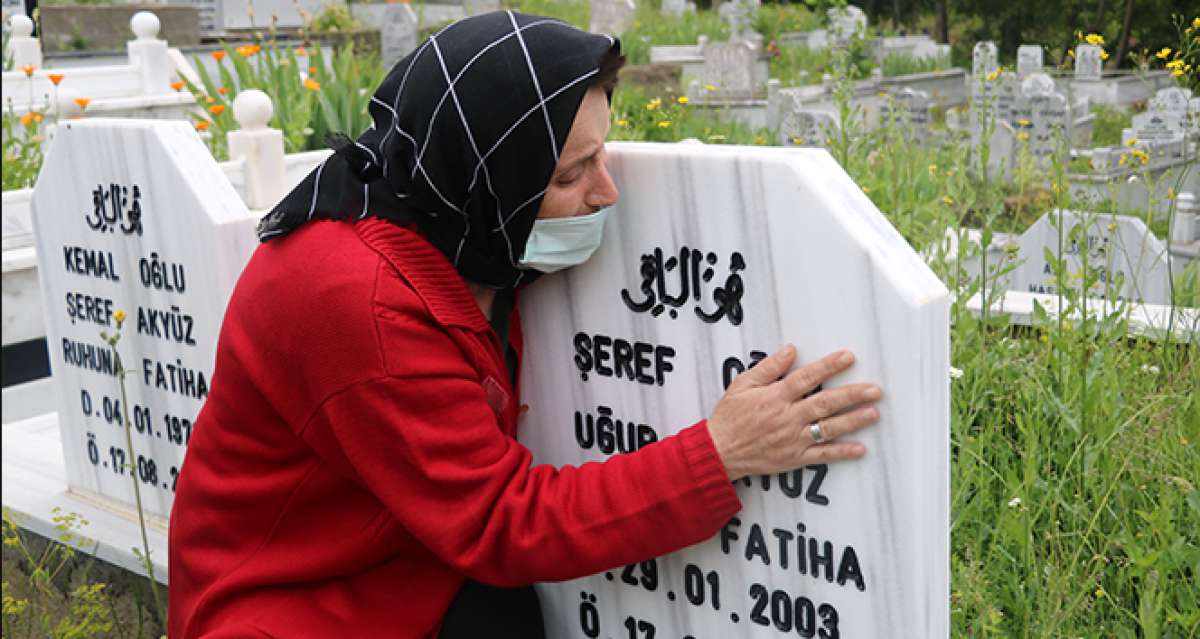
<point>355,471</point>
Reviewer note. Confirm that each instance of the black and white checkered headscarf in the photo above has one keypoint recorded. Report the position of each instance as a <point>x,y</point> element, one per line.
<point>466,134</point>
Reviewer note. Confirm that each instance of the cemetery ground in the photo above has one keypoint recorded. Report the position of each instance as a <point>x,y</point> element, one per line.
<point>1075,445</point>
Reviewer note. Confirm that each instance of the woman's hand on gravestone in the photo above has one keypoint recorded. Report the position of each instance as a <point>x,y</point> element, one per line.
<point>761,425</point>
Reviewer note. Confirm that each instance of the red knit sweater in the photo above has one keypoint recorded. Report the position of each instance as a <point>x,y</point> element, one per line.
<point>356,458</point>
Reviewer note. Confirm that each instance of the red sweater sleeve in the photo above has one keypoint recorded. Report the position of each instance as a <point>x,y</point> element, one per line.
<point>428,445</point>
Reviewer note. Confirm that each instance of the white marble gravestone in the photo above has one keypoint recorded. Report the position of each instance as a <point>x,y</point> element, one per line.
<point>398,32</point>
<point>613,17</point>
<point>1088,63</point>
<point>1029,59</point>
<point>1117,248</point>
<point>773,246</point>
<point>134,215</point>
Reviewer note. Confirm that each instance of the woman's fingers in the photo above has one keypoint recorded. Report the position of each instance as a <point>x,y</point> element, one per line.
<point>845,423</point>
<point>835,400</point>
<point>832,452</point>
<point>803,380</point>
<point>766,371</point>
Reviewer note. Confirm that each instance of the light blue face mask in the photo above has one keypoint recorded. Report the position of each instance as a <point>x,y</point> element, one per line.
<point>561,242</point>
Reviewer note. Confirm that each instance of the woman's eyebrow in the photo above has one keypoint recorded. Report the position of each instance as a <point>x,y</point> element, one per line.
<point>583,156</point>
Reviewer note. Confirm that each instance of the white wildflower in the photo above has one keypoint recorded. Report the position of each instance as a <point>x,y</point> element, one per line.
<point>1014,502</point>
<point>1150,368</point>
<point>955,373</point>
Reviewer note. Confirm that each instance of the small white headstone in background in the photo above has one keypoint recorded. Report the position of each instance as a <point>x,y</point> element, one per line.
<point>1041,118</point>
<point>739,15</point>
<point>806,127</point>
<point>1008,88</point>
<point>913,110</point>
<point>674,8</point>
<point>1029,59</point>
<point>846,23</point>
<point>713,257</point>
<point>1116,247</point>
<point>612,17</point>
<point>134,215</point>
<point>1088,65</point>
<point>730,68</point>
<point>983,60</point>
<point>398,33</point>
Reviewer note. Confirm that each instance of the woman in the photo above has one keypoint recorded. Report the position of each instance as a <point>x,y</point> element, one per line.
<point>354,472</point>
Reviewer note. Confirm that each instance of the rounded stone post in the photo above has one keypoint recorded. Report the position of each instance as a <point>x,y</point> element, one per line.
<point>24,49</point>
<point>149,54</point>
<point>260,147</point>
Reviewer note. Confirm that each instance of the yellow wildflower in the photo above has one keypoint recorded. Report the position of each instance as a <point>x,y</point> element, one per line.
<point>1023,136</point>
<point>798,141</point>
<point>866,189</point>
<point>1131,142</point>
<point>1175,64</point>
<point>653,104</point>
<point>1162,54</point>
<point>119,316</point>
<point>1024,122</point>
<point>683,99</point>
<point>1112,226</point>
<point>932,169</point>
<point>947,200</point>
<point>1070,53</point>
<point>1123,159</point>
<point>311,84</point>
<point>1095,38</point>
<point>709,87</point>
<point>760,140</point>
<point>1100,592</point>
<point>1196,22</point>
<point>1103,54</point>
<point>664,124</point>
<point>991,77</point>
<point>622,123</point>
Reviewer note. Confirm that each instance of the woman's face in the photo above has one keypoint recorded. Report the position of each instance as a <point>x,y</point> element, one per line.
<point>581,184</point>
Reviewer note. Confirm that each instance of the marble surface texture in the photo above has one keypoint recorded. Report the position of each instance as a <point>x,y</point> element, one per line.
<point>820,267</point>
<point>173,279</point>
